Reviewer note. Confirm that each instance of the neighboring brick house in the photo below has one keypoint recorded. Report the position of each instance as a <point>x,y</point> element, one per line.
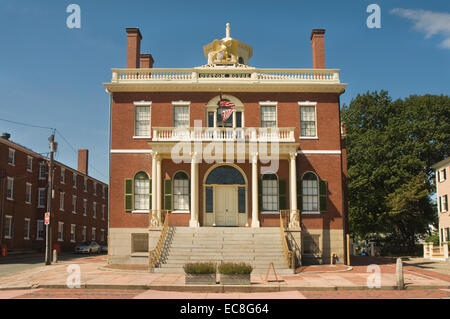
<point>442,170</point>
<point>79,207</point>
<point>295,110</point>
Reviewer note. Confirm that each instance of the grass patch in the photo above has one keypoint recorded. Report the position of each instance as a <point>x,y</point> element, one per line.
<point>200,268</point>
<point>230,268</point>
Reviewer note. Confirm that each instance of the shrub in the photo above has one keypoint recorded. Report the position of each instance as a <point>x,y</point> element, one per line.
<point>229,268</point>
<point>200,268</point>
<point>433,239</point>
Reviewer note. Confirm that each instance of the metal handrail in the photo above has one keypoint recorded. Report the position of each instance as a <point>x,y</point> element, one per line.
<point>288,254</point>
<point>155,254</point>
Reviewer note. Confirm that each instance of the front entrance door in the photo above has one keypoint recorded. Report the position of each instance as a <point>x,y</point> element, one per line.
<point>226,206</point>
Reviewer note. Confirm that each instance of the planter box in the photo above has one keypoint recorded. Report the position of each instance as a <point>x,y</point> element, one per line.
<point>227,279</point>
<point>200,279</point>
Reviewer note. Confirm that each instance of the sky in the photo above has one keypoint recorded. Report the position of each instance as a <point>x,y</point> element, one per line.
<point>52,76</point>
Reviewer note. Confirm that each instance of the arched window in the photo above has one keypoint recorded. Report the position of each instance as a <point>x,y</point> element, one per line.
<point>141,191</point>
<point>181,191</point>
<point>310,193</point>
<point>270,193</point>
<point>225,175</point>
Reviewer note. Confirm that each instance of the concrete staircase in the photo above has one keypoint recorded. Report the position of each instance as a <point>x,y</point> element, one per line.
<point>257,246</point>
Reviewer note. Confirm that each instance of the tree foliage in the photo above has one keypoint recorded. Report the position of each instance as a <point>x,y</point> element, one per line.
<point>389,144</point>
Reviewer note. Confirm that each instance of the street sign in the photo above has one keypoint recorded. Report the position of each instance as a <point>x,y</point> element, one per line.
<point>47,218</point>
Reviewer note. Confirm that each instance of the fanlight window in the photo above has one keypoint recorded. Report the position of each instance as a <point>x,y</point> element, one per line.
<point>225,175</point>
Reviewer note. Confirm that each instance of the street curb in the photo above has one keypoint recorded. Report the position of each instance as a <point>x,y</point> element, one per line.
<point>350,268</point>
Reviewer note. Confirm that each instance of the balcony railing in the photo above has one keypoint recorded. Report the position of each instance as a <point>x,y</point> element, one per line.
<point>208,75</point>
<point>249,134</point>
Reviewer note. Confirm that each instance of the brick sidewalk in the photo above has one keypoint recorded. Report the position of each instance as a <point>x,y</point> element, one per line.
<point>93,277</point>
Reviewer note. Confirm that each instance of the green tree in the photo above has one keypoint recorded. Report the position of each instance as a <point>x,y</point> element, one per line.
<point>389,143</point>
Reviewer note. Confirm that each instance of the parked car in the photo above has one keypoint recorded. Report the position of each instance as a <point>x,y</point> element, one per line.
<point>88,248</point>
<point>104,248</point>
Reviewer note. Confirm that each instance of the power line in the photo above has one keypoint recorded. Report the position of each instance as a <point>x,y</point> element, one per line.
<point>30,125</point>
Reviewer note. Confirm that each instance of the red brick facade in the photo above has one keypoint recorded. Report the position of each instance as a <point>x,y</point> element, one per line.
<point>19,209</point>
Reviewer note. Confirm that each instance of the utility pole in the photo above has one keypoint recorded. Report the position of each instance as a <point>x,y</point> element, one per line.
<point>48,229</point>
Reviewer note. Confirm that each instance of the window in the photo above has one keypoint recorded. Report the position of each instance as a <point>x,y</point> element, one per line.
<point>74,204</point>
<point>63,176</point>
<point>72,233</point>
<point>61,201</point>
<point>28,193</point>
<point>29,163</point>
<point>102,234</point>
<point>308,120</point>
<point>139,243</point>
<point>83,234</point>
<point>42,171</point>
<point>74,181</point>
<point>84,207</point>
<point>94,208</point>
<point>103,191</point>
<point>85,184</point>
<point>443,203</point>
<point>11,157</point>
<point>442,175</point>
<point>40,230</point>
<point>181,116</point>
<point>141,191</point>
<point>142,121</point>
<point>270,193</point>
<point>103,212</point>
<point>8,227</point>
<point>211,119</point>
<point>310,193</point>
<point>60,231</point>
<point>94,234</point>
<point>26,229</point>
<point>209,200</point>
<point>10,190</point>
<point>269,116</point>
<point>95,188</point>
<point>181,191</point>
<point>238,119</point>
<point>241,200</point>
<point>42,198</point>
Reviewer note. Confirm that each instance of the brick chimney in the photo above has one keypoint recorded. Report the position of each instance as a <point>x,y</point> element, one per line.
<point>134,38</point>
<point>146,61</point>
<point>318,48</point>
<point>83,161</point>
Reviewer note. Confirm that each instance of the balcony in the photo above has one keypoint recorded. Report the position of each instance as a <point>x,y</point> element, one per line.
<point>219,134</point>
<point>230,78</point>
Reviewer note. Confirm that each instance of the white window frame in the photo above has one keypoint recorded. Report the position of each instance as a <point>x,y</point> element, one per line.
<point>103,191</point>
<point>29,163</point>
<point>85,184</point>
<point>13,152</point>
<point>181,104</point>
<point>277,196</point>
<point>443,201</point>
<point>268,104</point>
<point>308,103</point>
<point>103,211</point>
<point>94,234</point>
<point>60,231</point>
<point>102,235</point>
<point>61,200</point>
<point>94,185</point>
<point>28,193</point>
<point>28,228</point>
<point>84,234</point>
<point>74,204</point>
<point>94,210</point>
<point>38,223</point>
<point>73,229</point>
<point>176,197</point>
<point>42,169</point>
<point>40,190</point>
<point>317,196</point>
<point>74,181</point>
<point>85,207</point>
<point>442,174</point>
<point>63,175</point>
<point>9,222</point>
<point>143,104</point>
<point>10,188</point>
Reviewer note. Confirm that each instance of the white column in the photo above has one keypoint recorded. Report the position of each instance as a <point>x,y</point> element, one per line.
<point>154,182</point>
<point>158,182</point>
<point>294,220</point>
<point>194,191</point>
<point>255,219</point>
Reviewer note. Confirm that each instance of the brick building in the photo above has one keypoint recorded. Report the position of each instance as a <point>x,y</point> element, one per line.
<point>174,148</point>
<point>79,207</point>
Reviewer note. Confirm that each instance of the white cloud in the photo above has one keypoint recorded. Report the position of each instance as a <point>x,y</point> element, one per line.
<point>429,22</point>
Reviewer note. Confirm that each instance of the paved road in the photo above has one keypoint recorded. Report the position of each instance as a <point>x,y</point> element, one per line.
<point>15,264</point>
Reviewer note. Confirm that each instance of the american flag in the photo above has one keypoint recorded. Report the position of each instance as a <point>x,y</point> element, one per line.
<point>227,108</point>
<point>224,103</point>
<point>226,114</point>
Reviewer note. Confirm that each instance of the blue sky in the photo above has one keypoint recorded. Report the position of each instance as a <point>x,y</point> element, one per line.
<point>52,76</point>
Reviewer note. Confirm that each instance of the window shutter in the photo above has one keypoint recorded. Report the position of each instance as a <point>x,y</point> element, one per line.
<point>282,194</point>
<point>150,194</point>
<point>323,191</point>
<point>299,196</point>
<point>128,194</point>
<point>168,194</point>
<point>260,195</point>
<point>440,204</point>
